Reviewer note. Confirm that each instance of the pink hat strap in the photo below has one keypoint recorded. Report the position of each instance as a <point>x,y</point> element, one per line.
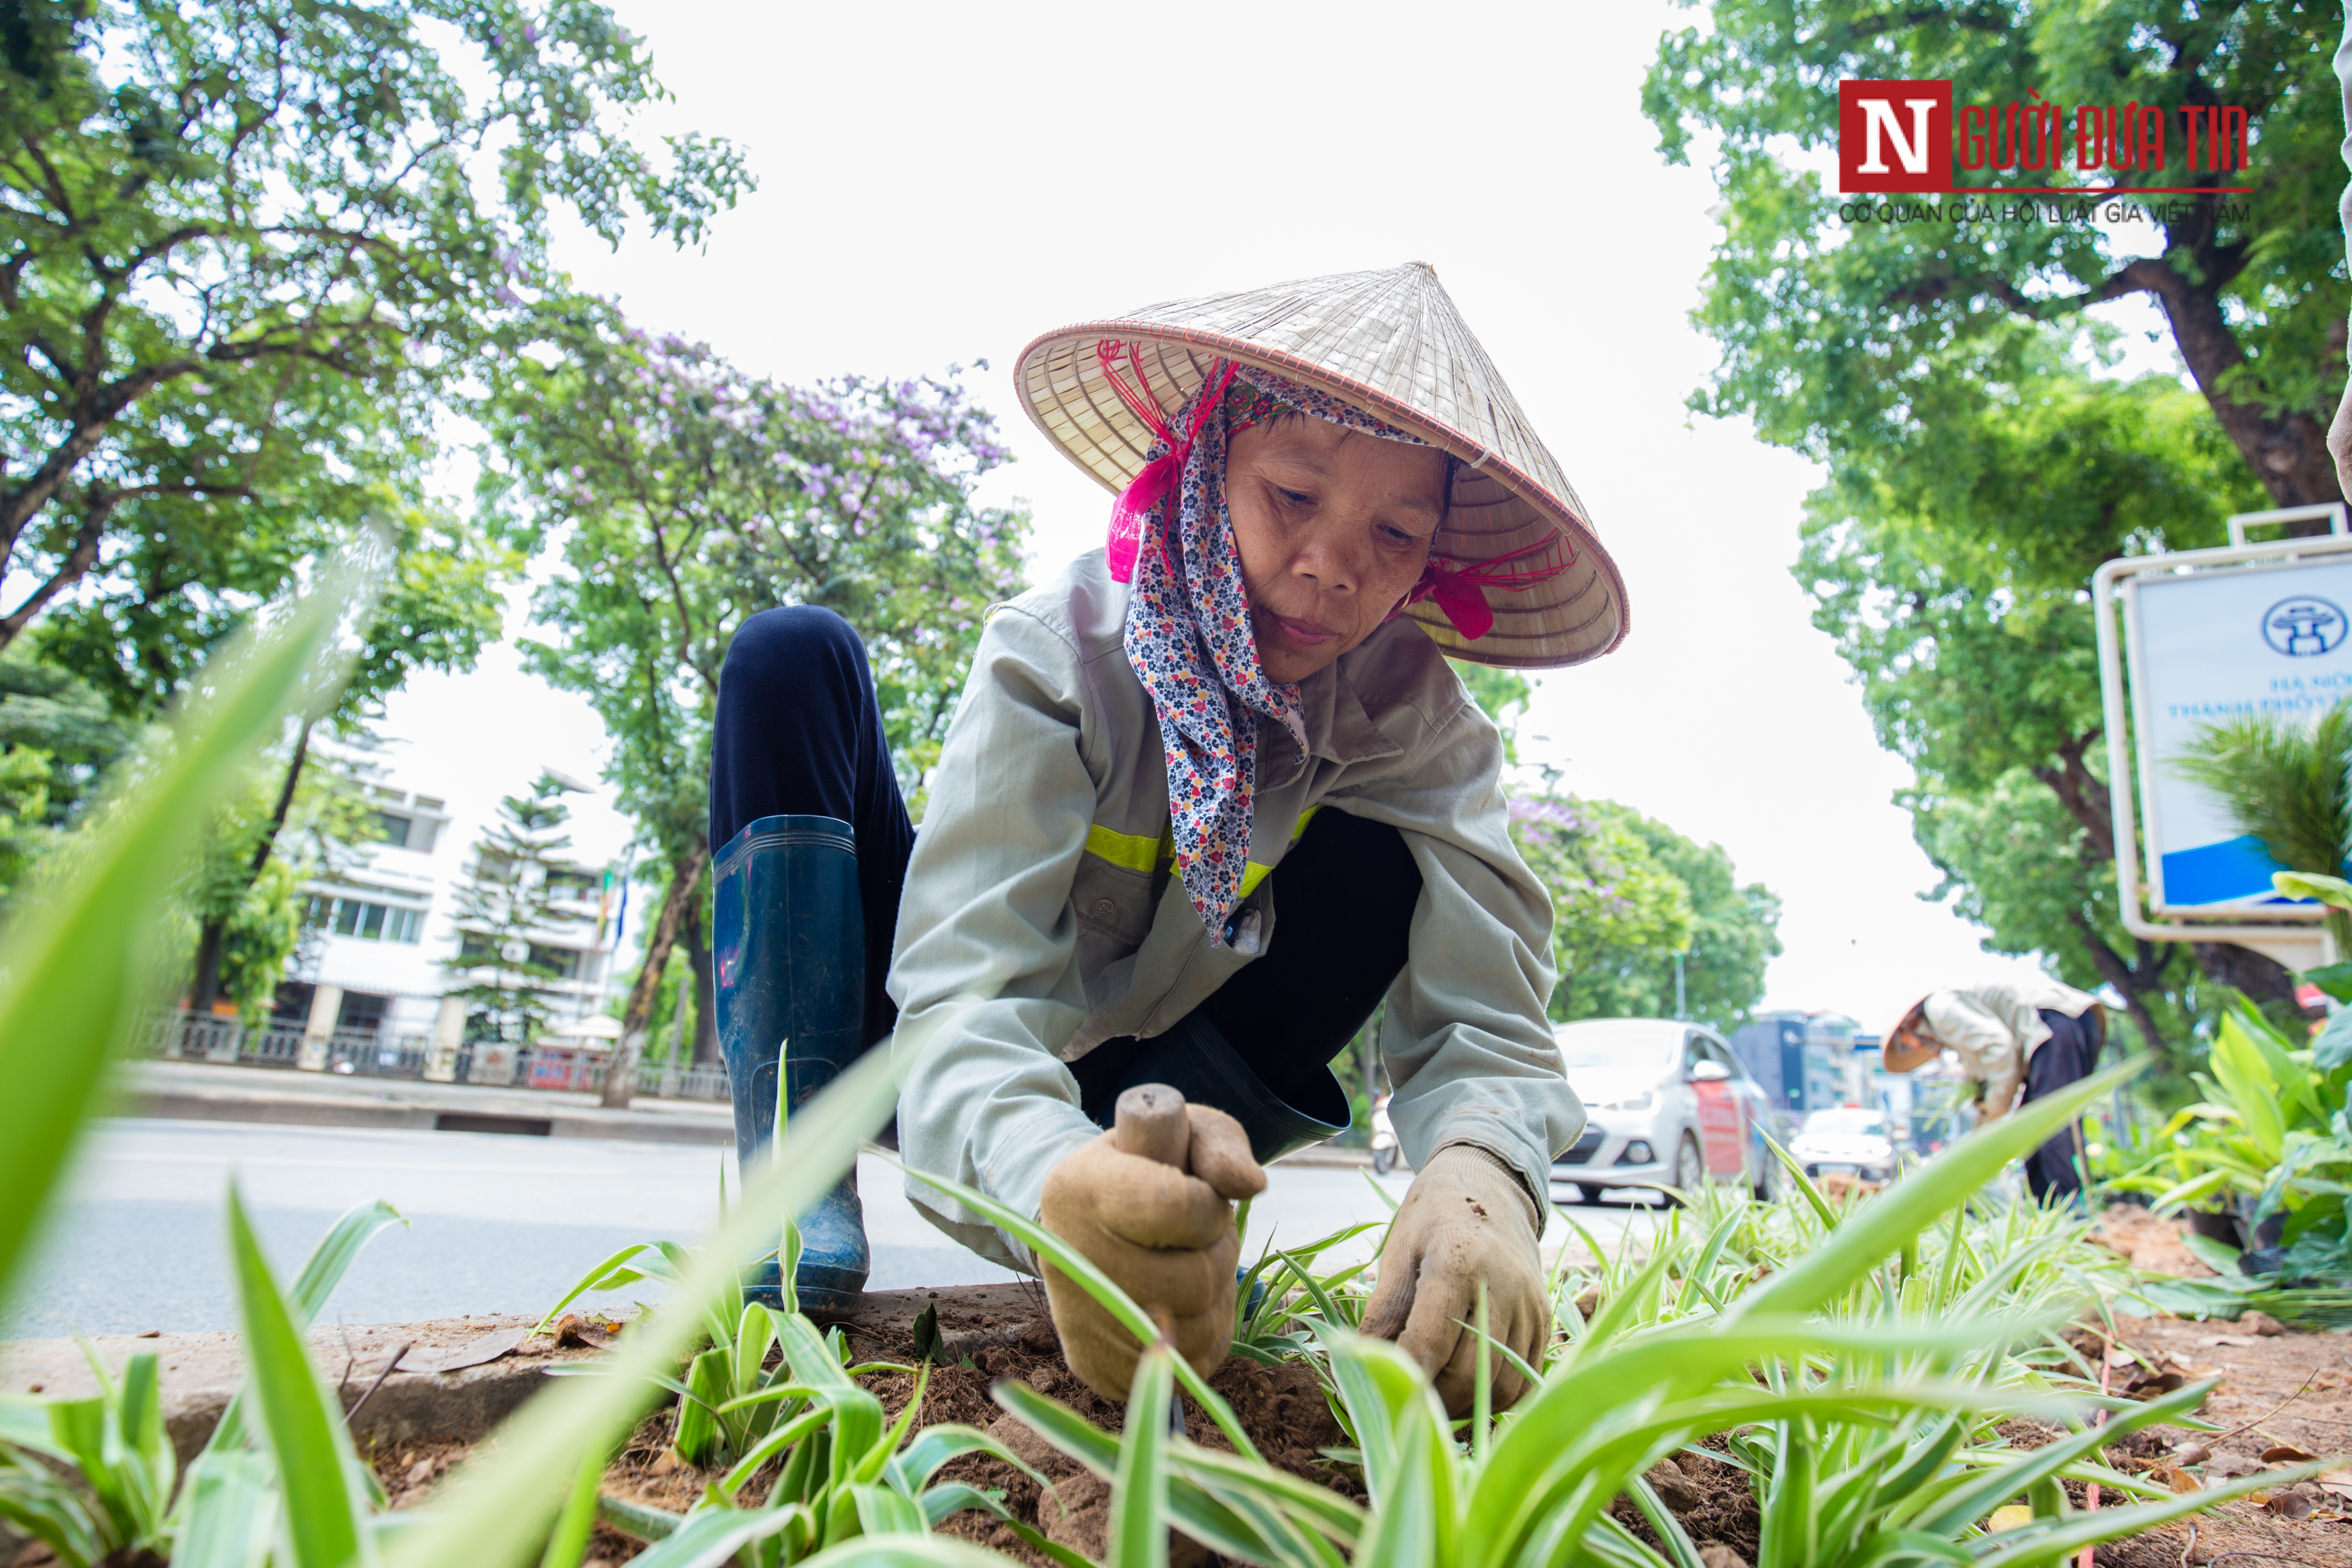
<point>1159,476</point>
<point>1461,590</point>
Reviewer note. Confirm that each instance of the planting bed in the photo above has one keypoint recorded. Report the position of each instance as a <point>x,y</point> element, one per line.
<point>2280,1390</point>
<point>1002,1330</point>
<point>2285,1396</point>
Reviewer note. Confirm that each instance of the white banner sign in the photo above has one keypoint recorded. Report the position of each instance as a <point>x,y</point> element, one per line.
<point>2204,647</point>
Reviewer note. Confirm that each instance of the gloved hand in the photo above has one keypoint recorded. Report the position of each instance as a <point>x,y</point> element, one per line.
<point>1164,1234</point>
<point>1466,1219</point>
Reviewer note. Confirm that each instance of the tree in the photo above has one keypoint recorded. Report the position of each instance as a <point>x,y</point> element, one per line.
<point>1960,600</point>
<point>56,737</point>
<point>1982,458</point>
<point>503,906</point>
<point>1863,342</point>
<point>248,245</point>
<point>440,606</point>
<point>1629,894</point>
<point>687,494</point>
<point>1734,927</point>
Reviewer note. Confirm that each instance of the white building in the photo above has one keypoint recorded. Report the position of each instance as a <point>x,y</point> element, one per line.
<point>385,955</point>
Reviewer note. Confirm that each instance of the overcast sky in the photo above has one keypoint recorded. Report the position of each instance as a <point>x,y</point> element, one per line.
<point>938,184</point>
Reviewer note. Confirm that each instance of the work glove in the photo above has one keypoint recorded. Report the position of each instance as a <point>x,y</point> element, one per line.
<point>1465,1222</point>
<point>1164,1233</point>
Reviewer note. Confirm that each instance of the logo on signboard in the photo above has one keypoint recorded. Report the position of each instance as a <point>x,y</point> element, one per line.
<point>2303,628</point>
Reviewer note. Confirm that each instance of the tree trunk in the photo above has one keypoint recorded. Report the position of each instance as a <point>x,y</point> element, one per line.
<point>686,877</point>
<point>2264,981</point>
<point>2132,981</point>
<point>706,1005</point>
<point>205,987</point>
<point>2287,450</point>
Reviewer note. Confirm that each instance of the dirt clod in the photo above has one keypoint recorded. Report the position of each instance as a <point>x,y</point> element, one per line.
<point>1673,1489</point>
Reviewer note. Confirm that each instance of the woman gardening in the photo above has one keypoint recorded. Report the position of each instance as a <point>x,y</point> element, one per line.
<point>1210,796</point>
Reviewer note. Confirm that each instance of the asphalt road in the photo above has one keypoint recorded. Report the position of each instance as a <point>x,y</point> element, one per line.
<point>496,1223</point>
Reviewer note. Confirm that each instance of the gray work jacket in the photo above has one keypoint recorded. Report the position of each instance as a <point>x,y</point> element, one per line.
<point>1041,917</point>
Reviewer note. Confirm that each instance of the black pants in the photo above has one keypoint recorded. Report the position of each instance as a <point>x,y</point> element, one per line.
<point>799,734</point>
<point>2070,1055</point>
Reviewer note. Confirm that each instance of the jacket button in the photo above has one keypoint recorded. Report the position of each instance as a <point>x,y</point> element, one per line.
<point>1103,909</point>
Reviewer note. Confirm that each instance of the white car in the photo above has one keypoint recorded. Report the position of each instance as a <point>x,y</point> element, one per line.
<point>1668,1105</point>
<point>1845,1139</point>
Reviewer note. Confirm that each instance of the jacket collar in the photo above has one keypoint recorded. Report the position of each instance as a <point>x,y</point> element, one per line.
<point>1338,728</point>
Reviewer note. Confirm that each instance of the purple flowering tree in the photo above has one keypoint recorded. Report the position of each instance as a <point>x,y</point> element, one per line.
<point>680,495</point>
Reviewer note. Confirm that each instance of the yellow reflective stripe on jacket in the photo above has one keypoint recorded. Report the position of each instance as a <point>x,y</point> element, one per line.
<point>1129,851</point>
<point>1134,852</point>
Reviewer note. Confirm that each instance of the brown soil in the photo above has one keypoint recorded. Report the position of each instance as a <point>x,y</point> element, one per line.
<point>2151,1245</point>
<point>2281,1390</point>
<point>1004,1333</point>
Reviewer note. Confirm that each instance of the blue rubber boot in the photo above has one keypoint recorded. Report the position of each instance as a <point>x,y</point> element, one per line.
<point>787,932</point>
<point>1196,1061</point>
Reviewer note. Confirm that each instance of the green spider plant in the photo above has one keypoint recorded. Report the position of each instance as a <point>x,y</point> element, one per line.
<point>1860,1369</point>
<point>843,1472</point>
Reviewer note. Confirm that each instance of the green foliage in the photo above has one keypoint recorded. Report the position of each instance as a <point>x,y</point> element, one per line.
<point>501,1506</point>
<point>504,903</point>
<point>1962,609</point>
<point>2271,1133</point>
<point>262,916</point>
<point>1874,347</point>
<point>115,1446</point>
<point>688,495</point>
<point>1863,1380</point>
<point>1616,911</point>
<point>56,737</point>
<point>1628,894</point>
<point>247,247</point>
<point>1981,461</point>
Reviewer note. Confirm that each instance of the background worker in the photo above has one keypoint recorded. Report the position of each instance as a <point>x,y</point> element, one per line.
<point>1212,794</point>
<point>2035,1035</point>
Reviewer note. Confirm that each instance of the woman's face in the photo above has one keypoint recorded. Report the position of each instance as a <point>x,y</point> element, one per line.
<point>1333,528</point>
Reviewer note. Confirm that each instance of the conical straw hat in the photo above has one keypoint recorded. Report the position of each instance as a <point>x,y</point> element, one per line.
<point>1392,344</point>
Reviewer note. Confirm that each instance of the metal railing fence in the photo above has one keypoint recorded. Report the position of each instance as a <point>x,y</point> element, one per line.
<point>171,1035</point>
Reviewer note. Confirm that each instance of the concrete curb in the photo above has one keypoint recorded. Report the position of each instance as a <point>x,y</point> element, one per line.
<point>201,1373</point>
<point>322,1111</point>
<point>203,1092</point>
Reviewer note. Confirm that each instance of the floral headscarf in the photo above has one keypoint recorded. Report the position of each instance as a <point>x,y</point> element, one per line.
<point>1189,635</point>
